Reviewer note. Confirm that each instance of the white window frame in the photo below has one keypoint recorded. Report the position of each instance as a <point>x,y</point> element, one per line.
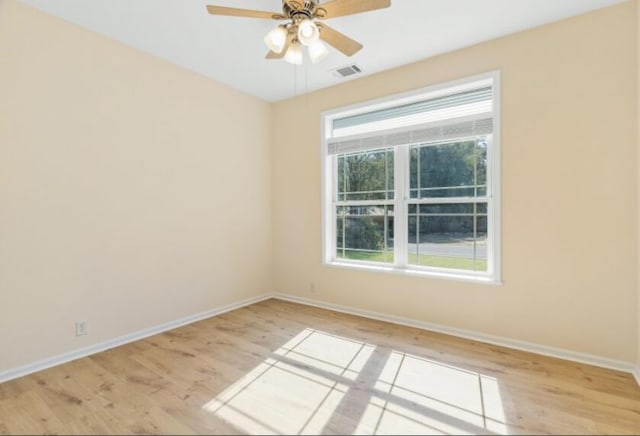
<point>401,185</point>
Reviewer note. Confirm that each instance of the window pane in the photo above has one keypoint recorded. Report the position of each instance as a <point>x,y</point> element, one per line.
<point>448,236</point>
<point>481,165</point>
<point>479,208</point>
<point>341,180</point>
<point>365,176</point>
<point>365,233</point>
<point>456,169</point>
<point>447,208</point>
<point>481,243</point>
<point>413,172</point>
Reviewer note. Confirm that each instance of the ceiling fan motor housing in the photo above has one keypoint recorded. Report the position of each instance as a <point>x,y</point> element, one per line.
<point>299,10</point>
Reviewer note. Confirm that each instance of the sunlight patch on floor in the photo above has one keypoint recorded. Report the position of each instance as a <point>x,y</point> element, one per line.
<point>318,382</point>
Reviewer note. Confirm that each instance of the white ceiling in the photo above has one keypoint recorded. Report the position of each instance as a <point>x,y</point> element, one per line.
<point>231,50</point>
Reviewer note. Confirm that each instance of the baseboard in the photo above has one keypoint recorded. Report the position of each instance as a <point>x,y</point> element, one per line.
<point>111,343</point>
<point>467,334</point>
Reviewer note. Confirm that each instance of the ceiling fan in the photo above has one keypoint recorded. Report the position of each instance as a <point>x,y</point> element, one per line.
<point>304,28</point>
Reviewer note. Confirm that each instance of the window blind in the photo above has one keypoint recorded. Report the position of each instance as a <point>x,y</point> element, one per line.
<point>462,114</point>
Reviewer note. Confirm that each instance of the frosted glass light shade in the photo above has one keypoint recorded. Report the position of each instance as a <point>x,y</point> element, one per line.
<point>317,51</point>
<point>276,39</point>
<point>308,32</point>
<point>294,54</point>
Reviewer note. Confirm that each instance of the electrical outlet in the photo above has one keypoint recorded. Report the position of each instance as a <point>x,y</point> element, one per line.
<point>312,287</point>
<point>81,328</point>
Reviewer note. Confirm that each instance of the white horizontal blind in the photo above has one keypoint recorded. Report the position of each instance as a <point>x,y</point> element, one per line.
<point>461,114</point>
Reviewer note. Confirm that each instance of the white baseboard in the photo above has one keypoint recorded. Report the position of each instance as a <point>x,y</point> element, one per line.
<point>480,337</point>
<point>111,343</point>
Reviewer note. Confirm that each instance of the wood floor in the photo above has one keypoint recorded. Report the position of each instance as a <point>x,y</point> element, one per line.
<point>280,367</point>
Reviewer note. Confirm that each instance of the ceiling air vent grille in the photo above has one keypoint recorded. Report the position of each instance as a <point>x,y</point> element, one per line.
<point>348,71</point>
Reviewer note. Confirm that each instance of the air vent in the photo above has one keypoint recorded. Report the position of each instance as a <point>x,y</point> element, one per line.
<point>348,71</point>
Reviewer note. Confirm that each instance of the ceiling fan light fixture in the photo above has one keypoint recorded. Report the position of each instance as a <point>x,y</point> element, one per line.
<point>294,54</point>
<point>276,39</point>
<point>308,32</point>
<point>317,51</point>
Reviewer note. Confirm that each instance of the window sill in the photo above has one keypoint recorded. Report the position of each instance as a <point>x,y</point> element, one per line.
<point>444,275</point>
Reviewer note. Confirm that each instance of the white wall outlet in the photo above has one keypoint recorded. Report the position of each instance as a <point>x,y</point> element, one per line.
<point>312,287</point>
<point>81,328</point>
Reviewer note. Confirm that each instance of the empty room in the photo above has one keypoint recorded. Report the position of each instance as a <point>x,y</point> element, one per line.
<point>319,217</point>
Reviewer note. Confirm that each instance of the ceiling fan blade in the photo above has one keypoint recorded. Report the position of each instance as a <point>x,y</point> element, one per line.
<point>273,55</point>
<point>341,42</point>
<point>340,8</point>
<point>235,12</point>
<point>294,4</point>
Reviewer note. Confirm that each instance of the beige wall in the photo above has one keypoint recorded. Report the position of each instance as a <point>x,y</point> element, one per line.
<point>131,191</point>
<point>568,191</point>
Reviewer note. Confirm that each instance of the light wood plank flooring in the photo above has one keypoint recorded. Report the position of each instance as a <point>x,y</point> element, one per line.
<point>280,367</point>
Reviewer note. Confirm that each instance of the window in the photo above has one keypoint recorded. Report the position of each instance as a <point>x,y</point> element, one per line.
<point>411,182</point>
